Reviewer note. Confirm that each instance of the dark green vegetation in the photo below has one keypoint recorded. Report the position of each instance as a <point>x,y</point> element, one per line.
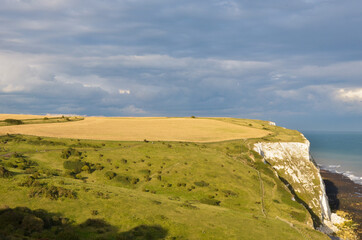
<point>143,190</point>
<point>21,222</point>
<point>8,122</point>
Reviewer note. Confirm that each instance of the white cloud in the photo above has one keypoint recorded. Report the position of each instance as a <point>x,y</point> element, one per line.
<point>350,95</point>
<point>131,109</point>
<point>124,91</point>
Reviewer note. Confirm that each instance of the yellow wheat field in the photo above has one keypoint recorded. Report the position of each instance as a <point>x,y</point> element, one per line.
<point>138,129</point>
<point>18,116</point>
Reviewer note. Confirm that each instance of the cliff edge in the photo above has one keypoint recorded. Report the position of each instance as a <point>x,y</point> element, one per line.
<point>294,165</point>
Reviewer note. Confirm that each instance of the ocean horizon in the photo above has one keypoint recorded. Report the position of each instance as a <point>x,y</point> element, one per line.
<point>337,151</point>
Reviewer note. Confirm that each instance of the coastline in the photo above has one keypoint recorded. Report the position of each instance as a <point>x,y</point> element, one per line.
<point>345,195</point>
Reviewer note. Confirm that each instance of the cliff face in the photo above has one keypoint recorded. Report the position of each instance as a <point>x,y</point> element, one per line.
<point>295,167</point>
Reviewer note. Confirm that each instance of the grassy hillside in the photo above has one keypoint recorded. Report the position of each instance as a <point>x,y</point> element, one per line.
<point>146,190</point>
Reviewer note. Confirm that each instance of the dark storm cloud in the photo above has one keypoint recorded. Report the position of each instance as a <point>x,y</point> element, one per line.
<point>278,60</point>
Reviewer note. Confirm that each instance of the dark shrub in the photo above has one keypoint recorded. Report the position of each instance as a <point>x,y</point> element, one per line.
<point>127,179</point>
<point>201,184</point>
<point>188,205</point>
<point>66,153</point>
<point>110,175</point>
<point>29,182</point>
<point>229,193</point>
<point>13,121</point>
<point>10,217</point>
<point>52,192</point>
<point>95,223</point>
<point>98,166</point>
<point>210,201</point>
<point>4,173</point>
<point>144,232</point>
<point>67,235</point>
<point>74,166</point>
<point>32,224</point>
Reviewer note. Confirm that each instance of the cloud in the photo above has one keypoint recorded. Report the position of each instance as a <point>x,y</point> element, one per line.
<point>218,58</point>
<point>124,91</point>
<point>350,95</point>
<point>132,110</point>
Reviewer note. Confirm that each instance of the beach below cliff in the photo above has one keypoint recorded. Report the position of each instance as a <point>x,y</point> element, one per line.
<point>344,195</point>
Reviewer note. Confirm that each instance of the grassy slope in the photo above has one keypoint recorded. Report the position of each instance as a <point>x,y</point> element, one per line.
<point>225,166</point>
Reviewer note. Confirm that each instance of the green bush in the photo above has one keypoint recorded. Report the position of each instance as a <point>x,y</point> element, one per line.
<point>98,166</point>
<point>52,192</point>
<point>95,223</point>
<point>4,173</point>
<point>210,201</point>
<point>127,179</point>
<point>69,152</point>
<point>31,224</point>
<point>229,193</point>
<point>110,175</point>
<point>29,182</point>
<point>74,166</point>
<point>201,184</point>
<point>13,121</point>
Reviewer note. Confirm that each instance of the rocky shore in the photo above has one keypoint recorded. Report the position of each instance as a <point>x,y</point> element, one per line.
<point>344,195</point>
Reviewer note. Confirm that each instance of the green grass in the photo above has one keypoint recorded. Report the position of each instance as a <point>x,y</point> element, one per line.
<point>279,134</point>
<point>175,178</point>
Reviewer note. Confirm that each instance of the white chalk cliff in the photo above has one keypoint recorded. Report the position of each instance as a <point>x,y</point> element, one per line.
<point>292,162</point>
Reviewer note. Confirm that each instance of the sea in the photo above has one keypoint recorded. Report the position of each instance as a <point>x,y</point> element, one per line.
<point>339,152</point>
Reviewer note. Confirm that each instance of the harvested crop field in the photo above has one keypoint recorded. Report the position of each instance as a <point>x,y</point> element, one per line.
<point>138,129</point>
<point>19,116</point>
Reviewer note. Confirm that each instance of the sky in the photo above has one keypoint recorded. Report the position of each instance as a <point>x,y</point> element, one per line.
<point>295,62</point>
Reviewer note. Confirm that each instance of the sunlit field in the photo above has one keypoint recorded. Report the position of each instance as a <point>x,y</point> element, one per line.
<point>138,129</point>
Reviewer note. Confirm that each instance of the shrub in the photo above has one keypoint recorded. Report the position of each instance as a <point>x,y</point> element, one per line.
<point>29,182</point>
<point>210,201</point>
<point>98,166</point>
<point>147,178</point>
<point>188,205</point>
<point>66,153</point>
<point>110,175</point>
<point>4,173</point>
<point>201,184</point>
<point>229,193</point>
<point>95,223</point>
<point>127,179</point>
<point>86,168</point>
<point>68,235</point>
<point>13,121</point>
<point>32,224</point>
<point>74,166</point>
<point>52,192</point>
